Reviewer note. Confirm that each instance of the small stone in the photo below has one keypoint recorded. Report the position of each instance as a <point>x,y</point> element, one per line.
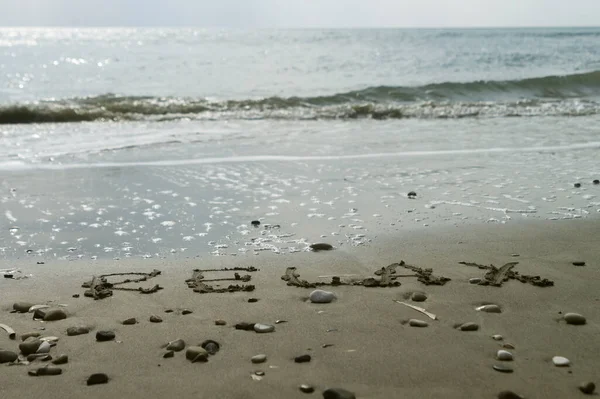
<point>45,371</point>
<point>503,368</point>
<point>44,347</point>
<point>196,354</point>
<point>169,311</point>
<point>259,373</point>
<point>8,356</point>
<point>186,312</point>
<point>321,296</point>
<point>577,185</point>
<point>177,345</point>
<point>338,393</point>
<point>411,194</point>
<point>321,246</point>
<point>54,315</point>
<point>75,295</point>
<point>72,331</point>
<point>22,307</point>
<point>474,280</point>
<point>264,328</point>
<point>574,318</point>
<point>306,388</point>
<point>130,322</point>
<point>220,322</point>
<point>252,300</point>
<point>302,359</point>
<point>509,395</point>
<point>29,335</point>
<point>155,319</point>
<point>418,296</point>
<point>578,263</point>
<point>417,323</point>
<point>587,387</point>
<point>210,346</point>
<point>30,346</point>
<point>105,336</point>
<point>497,337</point>
<point>489,309</point>
<point>245,326</point>
<point>169,354</point>
<point>255,223</point>
<point>469,327</point>
<point>503,355</point>
<point>560,361</point>
<point>40,356</point>
<point>258,359</point>
<point>62,359</point>
<point>508,346</point>
<point>98,378</point>
<point>596,181</point>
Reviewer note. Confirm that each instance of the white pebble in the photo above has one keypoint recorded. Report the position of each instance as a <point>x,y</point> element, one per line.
<point>321,296</point>
<point>504,355</point>
<point>560,361</point>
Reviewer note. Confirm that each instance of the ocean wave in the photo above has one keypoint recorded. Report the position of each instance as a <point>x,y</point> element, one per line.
<point>569,95</point>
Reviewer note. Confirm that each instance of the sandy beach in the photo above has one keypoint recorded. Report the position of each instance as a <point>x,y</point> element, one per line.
<point>360,341</point>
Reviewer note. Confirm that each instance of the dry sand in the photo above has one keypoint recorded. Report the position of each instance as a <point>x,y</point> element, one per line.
<point>373,355</point>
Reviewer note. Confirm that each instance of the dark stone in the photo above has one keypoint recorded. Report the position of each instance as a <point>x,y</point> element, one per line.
<point>245,326</point>
<point>255,223</point>
<point>54,315</point>
<point>169,354</point>
<point>186,311</point>
<point>210,346</point>
<point>579,263</point>
<point>22,307</point>
<point>503,368</point>
<point>418,296</point>
<point>45,371</point>
<point>39,356</point>
<point>72,331</point>
<point>75,295</point>
<point>177,345</point>
<point>98,378</point>
<point>302,359</point>
<point>321,246</point>
<point>508,395</point>
<point>306,388</point>
<point>587,388</point>
<point>220,322</point>
<point>169,311</point>
<point>105,336</point>
<point>338,393</point>
<point>29,347</point>
<point>469,327</point>
<point>62,359</point>
<point>411,194</point>
<point>130,321</point>
<point>8,356</point>
<point>596,181</point>
<point>252,300</point>
<point>155,319</point>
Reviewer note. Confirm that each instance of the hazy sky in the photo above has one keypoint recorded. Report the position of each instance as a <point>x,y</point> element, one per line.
<point>300,13</point>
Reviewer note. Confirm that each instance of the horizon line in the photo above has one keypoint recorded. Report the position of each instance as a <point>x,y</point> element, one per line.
<point>304,27</point>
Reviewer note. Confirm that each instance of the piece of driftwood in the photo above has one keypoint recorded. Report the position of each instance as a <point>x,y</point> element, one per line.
<point>11,333</point>
<point>497,276</point>
<point>100,287</point>
<point>418,309</point>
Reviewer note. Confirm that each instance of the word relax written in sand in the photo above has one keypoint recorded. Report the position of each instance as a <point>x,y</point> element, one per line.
<point>100,287</point>
<point>387,278</point>
<point>198,283</point>
<point>496,276</point>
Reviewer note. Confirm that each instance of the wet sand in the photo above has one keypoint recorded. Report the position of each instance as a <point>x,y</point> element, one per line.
<point>373,354</point>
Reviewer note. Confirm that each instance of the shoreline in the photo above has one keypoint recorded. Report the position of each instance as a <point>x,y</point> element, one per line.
<point>375,354</point>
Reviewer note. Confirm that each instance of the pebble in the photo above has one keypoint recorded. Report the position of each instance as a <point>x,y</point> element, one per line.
<point>54,315</point>
<point>596,181</point>
<point>245,326</point>
<point>579,263</point>
<point>321,246</point>
<point>98,378</point>
<point>475,280</point>
<point>155,319</point>
<point>8,356</point>
<point>29,335</point>
<point>503,368</point>
<point>418,296</point>
<point>497,337</point>
<point>169,311</point>
<point>587,387</point>
<point>508,346</point>
<point>169,354</point>
<point>509,395</point>
<point>560,361</point>
<point>105,336</point>
<point>411,194</point>
<point>264,328</point>
<point>489,309</point>
<point>130,321</point>
<point>338,393</point>
<point>72,331</point>
<point>62,359</point>
<point>321,296</point>
<point>75,295</point>
<point>302,359</point>
<point>417,323</point>
<point>212,347</point>
<point>306,388</point>
<point>220,322</point>
<point>258,359</point>
<point>574,318</point>
<point>196,354</point>
<point>22,307</point>
<point>504,355</point>
<point>255,223</point>
<point>577,185</point>
<point>40,356</point>
<point>186,312</point>
<point>44,347</point>
<point>259,373</point>
<point>177,345</point>
<point>252,300</point>
<point>469,327</point>
<point>30,346</point>
<point>45,371</point>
